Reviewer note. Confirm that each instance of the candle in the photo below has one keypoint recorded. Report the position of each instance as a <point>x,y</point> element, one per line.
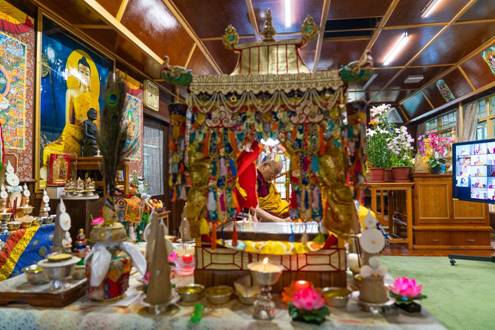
<point>265,267</point>
<point>301,284</point>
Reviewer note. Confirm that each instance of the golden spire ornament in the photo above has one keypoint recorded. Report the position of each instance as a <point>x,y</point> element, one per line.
<point>268,29</point>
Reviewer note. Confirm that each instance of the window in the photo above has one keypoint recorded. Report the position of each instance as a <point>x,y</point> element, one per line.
<point>486,118</point>
<point>153,161</point>
<point>481,131</point>
<point>444,124</point>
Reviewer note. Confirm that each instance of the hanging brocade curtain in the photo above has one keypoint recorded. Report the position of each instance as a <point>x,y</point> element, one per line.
<point>271,94</point>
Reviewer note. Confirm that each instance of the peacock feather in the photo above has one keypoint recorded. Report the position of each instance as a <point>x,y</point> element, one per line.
<point>112,133</point>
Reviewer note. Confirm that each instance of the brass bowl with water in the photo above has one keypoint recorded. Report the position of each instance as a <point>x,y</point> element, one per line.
<point>336,297</point>
<point>219,294</point>
<point>191,292</point>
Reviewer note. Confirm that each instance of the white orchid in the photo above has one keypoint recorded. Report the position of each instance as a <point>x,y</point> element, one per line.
<point>380,110</point>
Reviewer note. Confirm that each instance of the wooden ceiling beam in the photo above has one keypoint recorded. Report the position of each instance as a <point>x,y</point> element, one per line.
<point>381,25</point>
<point>458,64</point>
<point>124,31</point>
<point>252,19</point>
<point>93,26</point>
<point>319,43</point>
<point>122,9</point>
<point>191,52</point>
<point>459,14</point>
<point>185,24</point>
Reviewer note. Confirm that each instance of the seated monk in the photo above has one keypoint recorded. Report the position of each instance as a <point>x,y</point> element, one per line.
<point>271,206</point>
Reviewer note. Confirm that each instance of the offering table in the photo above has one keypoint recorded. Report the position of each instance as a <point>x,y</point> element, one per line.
<point>128,314</point>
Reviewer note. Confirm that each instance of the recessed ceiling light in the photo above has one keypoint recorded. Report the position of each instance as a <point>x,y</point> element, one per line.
<point>288,13</point>
<point>414,79</point>
<point>430,8</point>
<point>396,49</point>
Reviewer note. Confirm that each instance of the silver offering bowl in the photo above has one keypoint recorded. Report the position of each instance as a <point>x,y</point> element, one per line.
<point>264,307</point>
<point>58,272</point>
<point>35,275</point>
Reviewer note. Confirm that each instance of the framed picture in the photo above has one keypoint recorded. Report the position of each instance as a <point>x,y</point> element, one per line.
<point>72,79</point>
<point>489,57</point>
<point>151,95</point>
<point>59,169</point>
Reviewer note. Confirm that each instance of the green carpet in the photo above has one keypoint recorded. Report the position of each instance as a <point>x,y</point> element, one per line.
<point>461,297</point>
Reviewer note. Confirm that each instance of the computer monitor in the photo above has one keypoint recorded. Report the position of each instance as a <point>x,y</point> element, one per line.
<point>473,171</point>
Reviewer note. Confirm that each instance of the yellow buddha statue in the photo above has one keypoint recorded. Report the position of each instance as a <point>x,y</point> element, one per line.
<point>80,96</point>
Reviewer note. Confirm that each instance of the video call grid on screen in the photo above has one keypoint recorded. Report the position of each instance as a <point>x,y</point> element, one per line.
<point>474,171</point>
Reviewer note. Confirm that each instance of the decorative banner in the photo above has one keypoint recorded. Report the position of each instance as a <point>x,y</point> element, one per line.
<point>17,46</point>
<point>489,57</point>
<point>151,95</point>
<point>13,59</point>
<point>444,89</point>
<point>73,81</point>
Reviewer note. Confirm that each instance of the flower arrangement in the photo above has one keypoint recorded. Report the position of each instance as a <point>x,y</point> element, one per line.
<point>434,149</point>
<point>378,136</point>
<point>401,148</point>
<point>308,305</point>
<point>405,290</point>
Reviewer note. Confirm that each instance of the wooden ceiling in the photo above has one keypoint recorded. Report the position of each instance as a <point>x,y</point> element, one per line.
<point>446,45</point>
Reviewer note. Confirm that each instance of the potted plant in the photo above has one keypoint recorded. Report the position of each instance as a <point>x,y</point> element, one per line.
<point>378,136</point>
<point>400,146</point>
<point>434,149</point>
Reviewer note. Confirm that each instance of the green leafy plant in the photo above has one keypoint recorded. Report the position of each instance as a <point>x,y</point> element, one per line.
<point>376,149</point>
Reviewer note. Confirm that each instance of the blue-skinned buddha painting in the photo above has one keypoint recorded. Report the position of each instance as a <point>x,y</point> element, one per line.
<point>73,79</point>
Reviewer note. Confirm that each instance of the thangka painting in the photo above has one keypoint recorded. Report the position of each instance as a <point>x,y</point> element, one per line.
<point>133,114</point>
<point>17,44</point>
<point>73,81</point>
<point>134,121</point>
<point>489,57</point>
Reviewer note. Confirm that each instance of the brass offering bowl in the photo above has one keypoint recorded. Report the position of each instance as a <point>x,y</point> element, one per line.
<point>36,221</point>
<point>5,216</point>
<point>336,297</point>
<point>13,225</point>
<point>26,210</point>
<point>79,272</point>
<point>26,223</point>
<point>219,294</point>
<point>35,275</point>
<point>191,292</point>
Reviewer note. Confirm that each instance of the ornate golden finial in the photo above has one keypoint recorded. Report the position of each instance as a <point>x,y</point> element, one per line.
<point>268,29</point>
<point>309,29</point>
<point>230,37</point>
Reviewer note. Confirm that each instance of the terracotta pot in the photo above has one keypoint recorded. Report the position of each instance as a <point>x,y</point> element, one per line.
<point>376,175</point>
<point>401,174</point>
<point>388,177</point>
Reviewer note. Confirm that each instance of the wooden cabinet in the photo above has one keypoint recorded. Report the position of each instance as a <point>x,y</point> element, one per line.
<point>443,223</point>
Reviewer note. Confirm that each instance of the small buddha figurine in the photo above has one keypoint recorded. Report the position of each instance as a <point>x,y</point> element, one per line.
<point>79,185</point>
<point>89,146</point>
<point>45,206</point>
<point>89,186</point>
<point>25,196</point>
<point>3,200</point>
<point>81,244</point>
